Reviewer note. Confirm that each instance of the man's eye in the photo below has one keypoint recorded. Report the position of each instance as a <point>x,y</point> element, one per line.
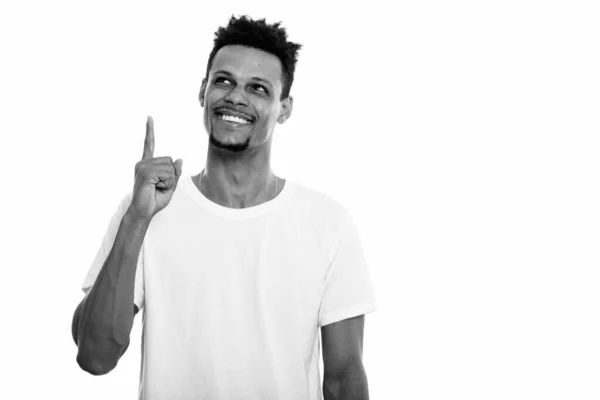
<point>221,79</point>
<point>259,88</point>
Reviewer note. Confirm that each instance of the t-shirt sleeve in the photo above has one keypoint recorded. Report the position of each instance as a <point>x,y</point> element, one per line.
<point>105,248</point>
<point>348,288</point>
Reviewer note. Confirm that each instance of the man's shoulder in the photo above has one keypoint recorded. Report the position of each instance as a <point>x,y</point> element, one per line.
<point>319,202</point>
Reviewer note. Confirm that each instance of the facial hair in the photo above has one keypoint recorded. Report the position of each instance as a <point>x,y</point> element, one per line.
<point>230,147</point>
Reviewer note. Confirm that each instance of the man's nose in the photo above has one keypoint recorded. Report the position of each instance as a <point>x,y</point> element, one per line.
<point>237,96</point>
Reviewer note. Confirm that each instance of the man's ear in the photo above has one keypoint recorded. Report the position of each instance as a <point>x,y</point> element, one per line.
<point>286,109</point>
<point>202,91</point>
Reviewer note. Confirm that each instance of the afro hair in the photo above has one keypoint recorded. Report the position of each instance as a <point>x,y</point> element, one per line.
<point>271,38</point>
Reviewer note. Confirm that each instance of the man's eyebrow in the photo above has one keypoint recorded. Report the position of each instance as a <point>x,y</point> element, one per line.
<point>256,78</point>
<point>222,71</point>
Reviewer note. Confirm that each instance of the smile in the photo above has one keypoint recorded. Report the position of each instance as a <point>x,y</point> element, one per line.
<point>234,119</point>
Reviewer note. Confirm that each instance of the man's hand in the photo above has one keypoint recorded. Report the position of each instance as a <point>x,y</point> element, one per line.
<point>155,179</point>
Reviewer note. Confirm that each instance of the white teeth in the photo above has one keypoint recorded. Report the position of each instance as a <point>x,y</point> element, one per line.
<point>233,119</point>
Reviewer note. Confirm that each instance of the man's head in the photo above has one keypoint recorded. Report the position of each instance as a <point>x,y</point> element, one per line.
<point>249,74</point>
<point>270,38</point>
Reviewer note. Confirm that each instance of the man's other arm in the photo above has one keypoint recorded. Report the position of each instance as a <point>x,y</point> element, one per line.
<point>344,375</point>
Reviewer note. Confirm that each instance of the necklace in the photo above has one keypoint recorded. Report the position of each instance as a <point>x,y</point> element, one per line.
<point>202,173</point>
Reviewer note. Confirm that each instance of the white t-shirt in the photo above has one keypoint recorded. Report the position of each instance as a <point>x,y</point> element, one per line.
<point>233,299</point>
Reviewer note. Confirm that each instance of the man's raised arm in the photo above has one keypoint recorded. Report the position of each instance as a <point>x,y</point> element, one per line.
<point>103,320</point>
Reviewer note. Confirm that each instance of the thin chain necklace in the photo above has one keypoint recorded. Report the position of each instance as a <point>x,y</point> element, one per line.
<point>202,173</point>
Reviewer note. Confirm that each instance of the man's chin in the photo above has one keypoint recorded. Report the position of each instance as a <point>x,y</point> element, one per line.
<point>235,147</point>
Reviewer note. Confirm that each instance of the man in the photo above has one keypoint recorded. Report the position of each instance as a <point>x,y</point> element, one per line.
<point>237,269</point>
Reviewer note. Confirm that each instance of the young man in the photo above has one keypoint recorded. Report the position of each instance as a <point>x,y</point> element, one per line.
<point>235,268</point>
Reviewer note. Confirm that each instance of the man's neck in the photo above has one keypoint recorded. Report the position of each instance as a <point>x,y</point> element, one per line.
<point>238,189</point>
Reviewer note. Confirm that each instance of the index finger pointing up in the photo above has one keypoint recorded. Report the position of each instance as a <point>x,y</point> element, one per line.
<point>149,142</point>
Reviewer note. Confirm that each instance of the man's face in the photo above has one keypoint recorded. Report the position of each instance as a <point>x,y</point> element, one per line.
<point>241,98</point>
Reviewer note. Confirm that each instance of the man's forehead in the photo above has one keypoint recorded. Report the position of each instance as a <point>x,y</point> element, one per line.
<point>247,61</point>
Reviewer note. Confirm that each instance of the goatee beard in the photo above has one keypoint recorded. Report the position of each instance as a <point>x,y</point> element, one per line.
<point>230,147</point>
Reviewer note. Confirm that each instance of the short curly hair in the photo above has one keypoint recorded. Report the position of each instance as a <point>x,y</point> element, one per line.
<point>270,38</point>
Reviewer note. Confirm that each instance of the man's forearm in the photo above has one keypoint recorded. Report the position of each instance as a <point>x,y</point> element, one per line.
<point>351,385</point>
<point>106,314</point>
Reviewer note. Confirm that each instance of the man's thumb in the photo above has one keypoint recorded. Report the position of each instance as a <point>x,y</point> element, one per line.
<point>178,170</point>
<point>178,167</point>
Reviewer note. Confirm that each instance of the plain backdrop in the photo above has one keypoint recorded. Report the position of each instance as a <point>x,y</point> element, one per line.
<point>462,135</point>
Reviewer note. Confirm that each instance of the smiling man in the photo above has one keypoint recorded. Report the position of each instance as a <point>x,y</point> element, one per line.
<point>236,269</point>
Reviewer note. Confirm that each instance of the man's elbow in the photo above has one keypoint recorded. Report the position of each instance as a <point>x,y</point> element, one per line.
<point>99,362</point>
<point>347,384</point>
<point>93,365</point>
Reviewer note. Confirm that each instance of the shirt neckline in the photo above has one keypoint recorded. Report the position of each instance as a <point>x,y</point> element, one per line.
<point>237,213</point>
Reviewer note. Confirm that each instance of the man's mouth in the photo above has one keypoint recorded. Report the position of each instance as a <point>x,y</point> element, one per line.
<point>229,117</point>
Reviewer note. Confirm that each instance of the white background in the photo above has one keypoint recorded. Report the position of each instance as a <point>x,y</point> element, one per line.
<point>462,135</point>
